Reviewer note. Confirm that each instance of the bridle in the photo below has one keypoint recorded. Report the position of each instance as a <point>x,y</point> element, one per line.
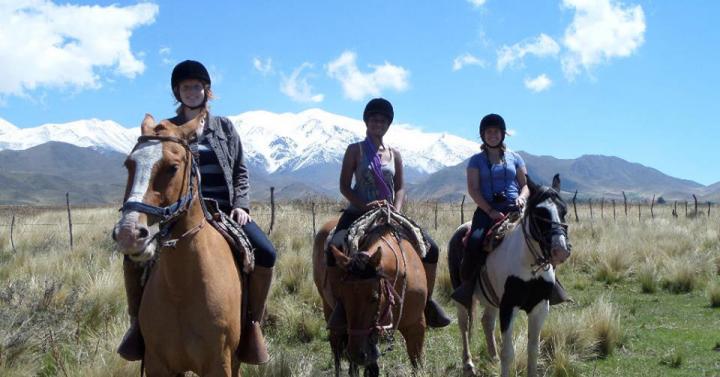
<point>384,323</point>
<point>532,231</point>
<point>168,215</point>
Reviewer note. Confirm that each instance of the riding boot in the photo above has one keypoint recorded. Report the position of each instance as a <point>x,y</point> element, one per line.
<point>434,314</point>
<point>469,267</point>
<point>558,294</point>
<point>132,347</point>
<point>252,349</point>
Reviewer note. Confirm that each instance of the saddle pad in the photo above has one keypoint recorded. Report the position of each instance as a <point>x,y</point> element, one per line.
<point>381,216</point>
<point>240,245</point>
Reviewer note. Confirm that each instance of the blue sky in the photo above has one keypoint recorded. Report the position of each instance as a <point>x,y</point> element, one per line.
<point>634,79</point>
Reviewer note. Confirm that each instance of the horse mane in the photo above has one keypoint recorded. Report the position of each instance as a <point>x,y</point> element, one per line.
<point>359,266</point>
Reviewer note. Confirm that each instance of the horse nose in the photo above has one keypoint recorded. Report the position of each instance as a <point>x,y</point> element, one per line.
<point>142,232</point>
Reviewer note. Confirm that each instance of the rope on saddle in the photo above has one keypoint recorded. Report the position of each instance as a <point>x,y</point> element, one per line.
<point>239,242</point>
<point>381,216</point>
<point>496,234</point>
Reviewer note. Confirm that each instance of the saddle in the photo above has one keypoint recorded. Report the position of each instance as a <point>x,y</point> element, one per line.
<point>240,245</point>
<point>496,234</point>
<point>360,230</point>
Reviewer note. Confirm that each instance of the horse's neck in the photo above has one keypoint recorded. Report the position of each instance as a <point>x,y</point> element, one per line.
<point>515,247</point>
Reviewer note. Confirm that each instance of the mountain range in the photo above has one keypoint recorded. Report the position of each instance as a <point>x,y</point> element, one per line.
<point>300,154</point>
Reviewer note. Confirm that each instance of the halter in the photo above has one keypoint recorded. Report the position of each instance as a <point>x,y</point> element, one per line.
<point>531,230</point>
<point>168,214</point>
<point>385,314</point>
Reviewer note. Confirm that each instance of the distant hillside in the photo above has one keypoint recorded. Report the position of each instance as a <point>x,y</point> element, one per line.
<point>591,175</point>
<point>44,173</point>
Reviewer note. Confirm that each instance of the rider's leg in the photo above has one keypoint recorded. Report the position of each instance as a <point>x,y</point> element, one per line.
<point>132,347</point>
<point>253,349</point>
<point>335,273</point>
<point>473,258</point>
<point>434,314</point>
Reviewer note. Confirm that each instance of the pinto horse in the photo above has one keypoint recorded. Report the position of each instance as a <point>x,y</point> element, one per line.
<point>520,275</point>
<point>190,310</point>
<point>383,290</point>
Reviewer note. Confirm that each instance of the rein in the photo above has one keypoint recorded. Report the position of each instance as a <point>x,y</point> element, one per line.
<point>386,313</point>
<point>168,215</point>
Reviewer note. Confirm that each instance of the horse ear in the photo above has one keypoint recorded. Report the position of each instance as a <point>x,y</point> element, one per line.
<point>556,182</point>
<point>148,125</point>
<point>340,258</point>
<point>532,186</point>
<point>194,127</point>
<point>376,258</point>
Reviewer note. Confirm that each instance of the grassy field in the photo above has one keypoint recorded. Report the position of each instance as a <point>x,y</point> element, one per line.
<point>647,298</point>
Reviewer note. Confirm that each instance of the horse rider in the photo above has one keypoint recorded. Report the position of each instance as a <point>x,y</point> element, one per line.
<point>224,179</point>
<point>378,172</point>
<point>497,183</point>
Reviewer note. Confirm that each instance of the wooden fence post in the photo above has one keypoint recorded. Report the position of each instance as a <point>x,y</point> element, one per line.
<point>652,213</point>
<point>625,201</point>
<point>462,211</point>
<point>591,211</point>
<point>674,211</point>
<point>272,209</point>
<point>12,228</point>
<point>613,201</point>
<point>686,208</point>
<point>639,205</point>
<point>67,200</point>
<point>313,215</point>
<point>577,220</point>
<point>436,211</point>
<point>708,210</point>
<point>696,209</point>
<point>602,208</point>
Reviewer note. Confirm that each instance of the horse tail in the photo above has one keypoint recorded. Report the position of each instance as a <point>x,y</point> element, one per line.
<point>455,253</point>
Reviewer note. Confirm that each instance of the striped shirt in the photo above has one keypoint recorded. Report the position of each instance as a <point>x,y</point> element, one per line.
<point>213,181</point>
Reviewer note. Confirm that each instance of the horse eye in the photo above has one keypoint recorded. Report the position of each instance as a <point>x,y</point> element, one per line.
<point>171,170</point>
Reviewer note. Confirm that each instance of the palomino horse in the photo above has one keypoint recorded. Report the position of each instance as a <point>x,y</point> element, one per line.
<point>384,289</point>
<point>190,311</point>
<point>520,275</point>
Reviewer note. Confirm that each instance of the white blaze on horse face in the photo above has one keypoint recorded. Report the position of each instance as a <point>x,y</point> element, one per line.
<point>145,157</point>
<point>559,242</point>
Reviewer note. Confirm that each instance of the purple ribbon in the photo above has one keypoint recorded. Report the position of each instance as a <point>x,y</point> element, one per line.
<point>376,168</point>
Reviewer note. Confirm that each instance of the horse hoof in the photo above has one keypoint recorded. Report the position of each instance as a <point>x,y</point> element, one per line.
<point>469,370</point>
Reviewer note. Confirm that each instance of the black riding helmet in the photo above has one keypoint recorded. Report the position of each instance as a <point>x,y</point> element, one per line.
<point>188,69</point>
<point>492,120</point>
<point>379,106</point>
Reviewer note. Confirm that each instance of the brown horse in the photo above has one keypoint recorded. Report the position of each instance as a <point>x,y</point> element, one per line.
<point>383,290</point>
<point>190,310</point>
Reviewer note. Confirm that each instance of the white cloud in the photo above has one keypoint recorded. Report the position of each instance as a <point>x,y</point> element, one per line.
<point>477,3</point>
<point>66,45</point>
<point>539,83</point>
<point>297,87</point>
<point>600,30</point>
<point>358,85</point>
<point>540,46</point>
<point>467,59</point>
<point>164,53</point>
<point>264,67</point>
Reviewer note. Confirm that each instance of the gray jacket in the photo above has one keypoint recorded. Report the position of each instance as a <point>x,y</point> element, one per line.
<point>225,142</point>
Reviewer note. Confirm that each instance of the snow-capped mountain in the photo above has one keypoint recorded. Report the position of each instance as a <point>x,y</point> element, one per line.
<point>276,143</point>
<point>82,133</point>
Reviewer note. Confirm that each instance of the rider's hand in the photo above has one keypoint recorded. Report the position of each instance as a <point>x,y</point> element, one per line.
<point>240,216</point>
<point>520,201</point>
